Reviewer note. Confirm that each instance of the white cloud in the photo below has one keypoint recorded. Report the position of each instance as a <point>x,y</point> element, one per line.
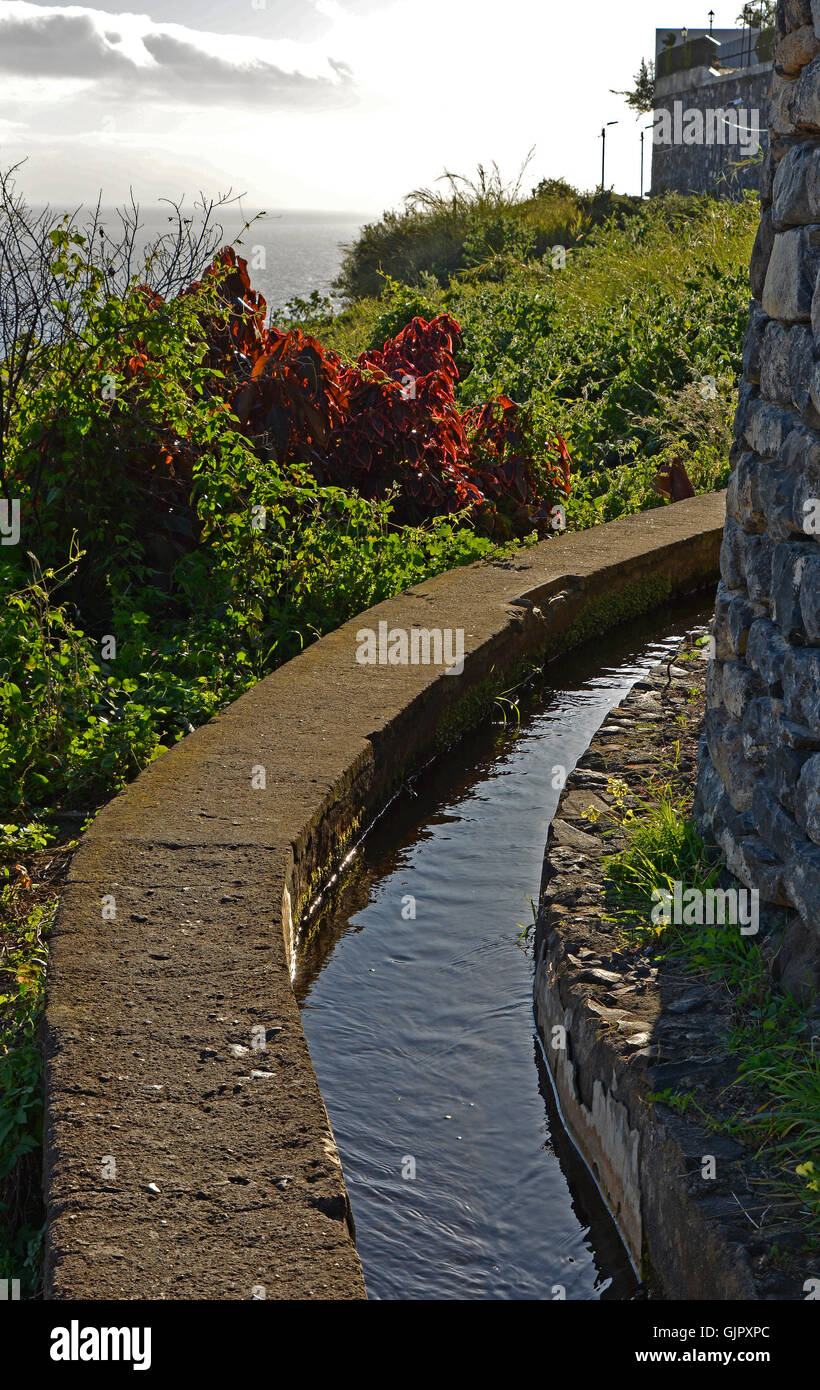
<point>383,96</point>
<point>130,55</point>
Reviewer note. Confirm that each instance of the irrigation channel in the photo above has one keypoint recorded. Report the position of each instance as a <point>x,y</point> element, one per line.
<point>416,991</point>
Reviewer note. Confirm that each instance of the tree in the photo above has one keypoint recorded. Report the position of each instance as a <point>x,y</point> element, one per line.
<point>759,15</point>
<point>642,96</point>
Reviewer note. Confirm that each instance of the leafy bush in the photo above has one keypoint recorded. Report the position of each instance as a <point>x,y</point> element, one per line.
<point>69,733</point>
<point>113,432</point>
<point>203,494</point>
<point>23,935</point>
<point>471,225</point>
<point>388,423</point>
<point>629,344</point>
<point>405,429</point>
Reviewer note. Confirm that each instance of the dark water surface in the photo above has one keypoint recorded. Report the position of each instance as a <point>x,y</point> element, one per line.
<point>421,1029</point>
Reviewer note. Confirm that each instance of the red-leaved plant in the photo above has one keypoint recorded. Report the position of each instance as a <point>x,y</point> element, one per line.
<point>387,425</point>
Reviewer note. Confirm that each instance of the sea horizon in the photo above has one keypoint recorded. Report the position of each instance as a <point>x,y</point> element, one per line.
<point>291,252</point>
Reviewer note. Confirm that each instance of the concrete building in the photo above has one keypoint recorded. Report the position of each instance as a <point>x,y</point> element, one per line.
<point>711,103</point>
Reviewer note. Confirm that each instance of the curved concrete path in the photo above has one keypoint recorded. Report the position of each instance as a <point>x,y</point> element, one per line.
<point>188,1152</point>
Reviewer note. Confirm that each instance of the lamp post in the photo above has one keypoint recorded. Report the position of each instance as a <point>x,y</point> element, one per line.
<point>603,153</point>
<point>646,127</point>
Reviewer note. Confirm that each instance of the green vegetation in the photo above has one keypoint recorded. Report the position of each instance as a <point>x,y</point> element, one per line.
<point>629,351</point>
<point>24,932</point>
<point>615,323</point>
<point>760,14</point>
<point>775,1102</point>
<point>439,234</point>
<point>641,97</point>
<point>142,598</point>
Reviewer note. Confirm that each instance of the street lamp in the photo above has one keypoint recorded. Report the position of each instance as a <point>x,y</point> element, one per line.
<point>603,153</point>
<point>646,127</point>
<point>747,19</point>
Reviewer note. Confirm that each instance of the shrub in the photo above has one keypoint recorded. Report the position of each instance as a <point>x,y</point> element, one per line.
<point>387,424</point>
<point>471,224</point>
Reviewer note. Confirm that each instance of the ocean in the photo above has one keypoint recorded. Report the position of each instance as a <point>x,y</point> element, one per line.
<point>289,253</point>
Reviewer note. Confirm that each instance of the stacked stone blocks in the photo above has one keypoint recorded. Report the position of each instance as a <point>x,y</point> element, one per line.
<point>759,782</point>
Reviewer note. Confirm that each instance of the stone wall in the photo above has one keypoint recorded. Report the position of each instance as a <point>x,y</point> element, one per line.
<point>619,1027</point>
<point>726,169</point>
<point>759,781</point>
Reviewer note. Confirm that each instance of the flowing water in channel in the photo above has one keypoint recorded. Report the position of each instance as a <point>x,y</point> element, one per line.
<point>421,1027</point>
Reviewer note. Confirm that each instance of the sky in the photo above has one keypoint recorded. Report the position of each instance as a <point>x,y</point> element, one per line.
<point>325,104</point>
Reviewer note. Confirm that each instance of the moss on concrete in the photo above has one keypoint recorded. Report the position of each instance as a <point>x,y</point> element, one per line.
<point>344,837</point>
<point>600,616</point>
<point>479,702</point>
<point>609,610</point>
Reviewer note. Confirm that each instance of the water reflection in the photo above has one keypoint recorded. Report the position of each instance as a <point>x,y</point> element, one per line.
<point>417,1005</point>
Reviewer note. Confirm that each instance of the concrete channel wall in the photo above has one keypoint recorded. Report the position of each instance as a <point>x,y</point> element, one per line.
<point>188,1152</point>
